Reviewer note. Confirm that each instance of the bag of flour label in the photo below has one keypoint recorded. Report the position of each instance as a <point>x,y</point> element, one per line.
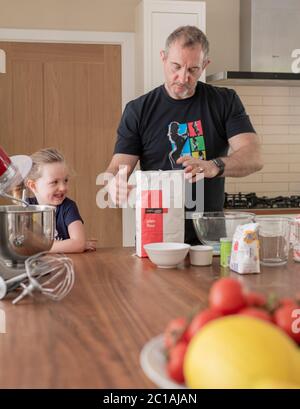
<point>159,208</point>
<point>245,249</point>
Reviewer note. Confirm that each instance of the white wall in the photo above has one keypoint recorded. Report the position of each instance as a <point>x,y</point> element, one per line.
<point>118,15</point>
<point>275,114</point>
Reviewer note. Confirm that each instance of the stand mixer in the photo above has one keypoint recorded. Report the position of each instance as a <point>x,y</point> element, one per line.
<point>26,234</point>
<point>12,172</point>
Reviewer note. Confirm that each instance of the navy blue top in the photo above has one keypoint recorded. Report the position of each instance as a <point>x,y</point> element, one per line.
<point>66,213</point>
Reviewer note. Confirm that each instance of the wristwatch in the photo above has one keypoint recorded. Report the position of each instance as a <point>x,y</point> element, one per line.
<point>220,164</point>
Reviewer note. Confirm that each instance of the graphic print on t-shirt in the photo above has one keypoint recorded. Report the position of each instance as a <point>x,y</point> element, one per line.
<point>186,139</point>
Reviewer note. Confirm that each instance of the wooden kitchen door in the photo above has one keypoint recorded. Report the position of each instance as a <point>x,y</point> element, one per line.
<point>66,96</point>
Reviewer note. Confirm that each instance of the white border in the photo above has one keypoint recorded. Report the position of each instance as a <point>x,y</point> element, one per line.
<point>126,40</point>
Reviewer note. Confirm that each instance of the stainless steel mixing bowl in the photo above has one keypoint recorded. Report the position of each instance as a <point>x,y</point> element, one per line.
<point>25,231</point>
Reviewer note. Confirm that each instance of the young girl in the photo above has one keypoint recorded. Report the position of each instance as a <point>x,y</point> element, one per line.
<point>48,181</point>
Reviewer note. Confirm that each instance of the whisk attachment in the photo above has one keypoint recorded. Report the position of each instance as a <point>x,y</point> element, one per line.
<point>13,198</point>
<point>50,274</point>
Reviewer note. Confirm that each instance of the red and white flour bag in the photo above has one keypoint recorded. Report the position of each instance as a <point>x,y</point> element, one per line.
<point>159,208</point>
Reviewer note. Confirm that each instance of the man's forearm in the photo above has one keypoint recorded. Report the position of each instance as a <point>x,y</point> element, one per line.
<point>242,162</point>
<point>113,170</point>
<point>122,161</point>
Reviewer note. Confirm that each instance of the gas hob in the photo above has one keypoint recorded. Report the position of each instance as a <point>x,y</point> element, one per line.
<point>252,201</point>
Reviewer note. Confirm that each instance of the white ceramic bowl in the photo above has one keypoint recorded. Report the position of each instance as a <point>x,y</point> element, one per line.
<point>167,255</point>
<point>201,255</point>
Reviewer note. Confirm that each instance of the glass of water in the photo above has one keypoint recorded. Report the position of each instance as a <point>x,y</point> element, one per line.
<point>274,239</point>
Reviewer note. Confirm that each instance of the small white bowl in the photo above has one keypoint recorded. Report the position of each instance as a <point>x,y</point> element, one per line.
<point>166,255</point>
<point>201,255</point>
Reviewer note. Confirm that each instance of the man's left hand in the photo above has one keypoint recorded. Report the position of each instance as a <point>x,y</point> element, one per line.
<point>196,169</point>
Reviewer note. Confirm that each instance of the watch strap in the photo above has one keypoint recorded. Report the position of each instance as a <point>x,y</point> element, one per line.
<point>220,164</point>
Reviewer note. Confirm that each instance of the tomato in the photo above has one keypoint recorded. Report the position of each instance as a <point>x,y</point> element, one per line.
<point>200,320</point>
<point>256,313</point>
<point>174,331</point>
<point>254,299</point>
<point>287,318</point>
<point>175,362</point>
<point>287,301</point>
<point>226,296</point>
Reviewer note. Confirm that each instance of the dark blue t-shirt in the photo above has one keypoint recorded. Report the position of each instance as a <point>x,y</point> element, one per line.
<point>66,213</point>
<point>160,129</point>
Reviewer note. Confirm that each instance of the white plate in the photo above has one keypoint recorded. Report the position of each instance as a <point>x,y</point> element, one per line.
<point>153,363</point>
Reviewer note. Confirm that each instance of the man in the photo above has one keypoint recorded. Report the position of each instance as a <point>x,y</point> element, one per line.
<point>215,117</point>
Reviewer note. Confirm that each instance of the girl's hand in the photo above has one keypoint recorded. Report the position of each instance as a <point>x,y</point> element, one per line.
<point>90,245</point>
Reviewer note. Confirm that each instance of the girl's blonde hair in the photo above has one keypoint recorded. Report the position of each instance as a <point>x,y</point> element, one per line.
<point>43,157</point>
<point>39,159</point>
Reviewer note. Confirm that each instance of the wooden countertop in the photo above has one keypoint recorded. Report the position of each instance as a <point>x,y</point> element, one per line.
<point>287,210</point>
<point>93,338</point>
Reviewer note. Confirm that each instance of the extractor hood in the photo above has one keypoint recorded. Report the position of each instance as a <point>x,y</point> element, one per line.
<point>284,79</point>
<point>269,33</point>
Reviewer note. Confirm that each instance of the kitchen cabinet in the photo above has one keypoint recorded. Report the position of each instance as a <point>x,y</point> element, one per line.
<point>155,20</point>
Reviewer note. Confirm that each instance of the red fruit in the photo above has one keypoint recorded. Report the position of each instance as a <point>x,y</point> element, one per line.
<point>199,321</point>
<point>254,299</point>
<point>175,362</point>
<point>256,313</point>
<point>226,296</point>
<point>287,318</point>
<point>174,331</point>
<point>287,301</point>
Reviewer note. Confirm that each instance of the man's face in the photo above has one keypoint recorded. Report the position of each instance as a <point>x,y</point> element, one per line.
<point>182,67</point>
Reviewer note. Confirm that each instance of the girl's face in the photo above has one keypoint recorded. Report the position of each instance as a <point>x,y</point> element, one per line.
<point>51,188</point>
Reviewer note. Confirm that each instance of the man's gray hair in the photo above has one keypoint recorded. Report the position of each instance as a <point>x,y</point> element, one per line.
<point>190,36</point>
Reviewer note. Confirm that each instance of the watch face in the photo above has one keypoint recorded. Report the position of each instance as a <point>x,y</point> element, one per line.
<point>220,164</point>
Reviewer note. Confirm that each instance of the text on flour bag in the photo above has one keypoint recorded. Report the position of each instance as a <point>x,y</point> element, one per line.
<point>159,208</point>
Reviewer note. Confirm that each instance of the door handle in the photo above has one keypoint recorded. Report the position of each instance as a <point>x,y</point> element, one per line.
<point>2,62</point>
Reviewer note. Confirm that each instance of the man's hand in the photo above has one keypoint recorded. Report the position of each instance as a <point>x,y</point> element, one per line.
<point>244,159</point>
<point>115,181</point>
<point>196,169</point>
<point>118,188</point>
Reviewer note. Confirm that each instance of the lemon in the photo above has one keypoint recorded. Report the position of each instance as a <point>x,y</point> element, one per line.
<point>273,384</point>
<point>297,365</point>
<point>237,352</point>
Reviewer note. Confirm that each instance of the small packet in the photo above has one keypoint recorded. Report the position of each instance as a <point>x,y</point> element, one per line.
<point>245,249</point>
